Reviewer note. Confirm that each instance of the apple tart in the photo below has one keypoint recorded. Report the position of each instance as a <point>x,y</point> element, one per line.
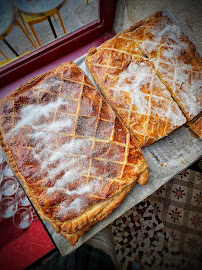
<point>74,157</point>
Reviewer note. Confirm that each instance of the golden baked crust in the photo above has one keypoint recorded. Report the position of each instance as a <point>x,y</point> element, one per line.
<point>143,22</point>
<point>75,159</point>
<point>131,86</point>
<point>195,126</point>
<point>174,57</point>
<point>106,209</point>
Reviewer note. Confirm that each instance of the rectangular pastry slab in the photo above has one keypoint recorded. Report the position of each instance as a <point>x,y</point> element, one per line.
<point>74,157</point>
<point>130,84</point>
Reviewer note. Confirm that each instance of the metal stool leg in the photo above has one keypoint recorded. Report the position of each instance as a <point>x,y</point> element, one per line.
<point>34,34</point>
<point>19,24</point>
<point>22,20</point>
<point>10,47</point>
<point>61,21</point>
<point>4,54</point>
<point>52,27</point>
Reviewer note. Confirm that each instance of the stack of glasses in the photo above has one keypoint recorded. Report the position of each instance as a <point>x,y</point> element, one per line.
<point>15,208</point>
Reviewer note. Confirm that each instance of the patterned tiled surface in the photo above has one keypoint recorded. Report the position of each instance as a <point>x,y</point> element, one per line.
<point>165,230</point>
<point>183,215</point>
<point>140,236</point>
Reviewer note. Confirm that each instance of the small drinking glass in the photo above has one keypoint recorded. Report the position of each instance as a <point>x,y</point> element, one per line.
<point>21,197</point>
<point>1,175</point>
<point>7,170</point>
<point>9,186</point>
<point>1,156</point>
<point>22,218</point>
<point>8,207</point>
<point>1,193</point>
<point>34,214</point>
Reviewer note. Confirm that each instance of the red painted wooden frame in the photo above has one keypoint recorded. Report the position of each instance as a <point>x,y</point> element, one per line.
<point>62,46</point>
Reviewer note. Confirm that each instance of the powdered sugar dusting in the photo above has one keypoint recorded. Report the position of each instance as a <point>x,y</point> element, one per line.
<point>131,81</point>
<point>170,32</point>
<point>33,113</point>
<point>79,202</point>
<point>135,79</point>
<point>63,157</point>
<point>169,37</point>
<point>149,45</point>
<point>168,51</point>
<point>53,81</point>
<point>75,207</point>
<point>63,182</point>
<point>191,87</point>
<point>185,83</point>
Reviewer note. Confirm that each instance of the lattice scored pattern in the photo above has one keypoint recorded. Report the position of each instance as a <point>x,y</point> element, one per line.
<point>176,61</point>
<point>68,145</point>
<point>132,87</point>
